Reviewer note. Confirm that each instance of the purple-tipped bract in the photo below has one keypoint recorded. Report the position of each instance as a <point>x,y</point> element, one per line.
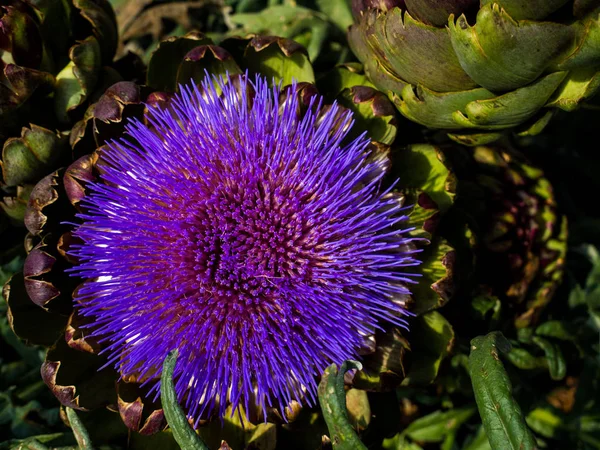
<point>250,236</point>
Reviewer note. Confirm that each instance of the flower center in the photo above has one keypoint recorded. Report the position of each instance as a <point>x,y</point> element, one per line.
<point>251,240</point>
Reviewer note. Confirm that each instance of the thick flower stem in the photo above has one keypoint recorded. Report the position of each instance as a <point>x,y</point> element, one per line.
<point>185,436</point>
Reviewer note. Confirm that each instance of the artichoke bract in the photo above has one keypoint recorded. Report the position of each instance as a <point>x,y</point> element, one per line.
<point>476,68</point>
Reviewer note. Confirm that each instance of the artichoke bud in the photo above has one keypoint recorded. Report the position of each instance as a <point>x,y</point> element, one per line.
<point>428,185</point>
<point>487,220</point>
<point>25,160</point>
<point>519,235</point>
<point>272,56</point>
<point>478,69</point>
<point>32,155</point>
<point>20,38</point>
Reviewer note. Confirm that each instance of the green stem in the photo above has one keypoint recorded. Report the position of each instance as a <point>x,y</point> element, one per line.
<point>81,435</point>
<point>332,398</point>
<point>183,433</point>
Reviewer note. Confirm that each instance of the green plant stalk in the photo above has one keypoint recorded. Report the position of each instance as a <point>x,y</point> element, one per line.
<point>183,433</point>
<point>332,398</point>
<point>81,435</point>
<point>500,413</point>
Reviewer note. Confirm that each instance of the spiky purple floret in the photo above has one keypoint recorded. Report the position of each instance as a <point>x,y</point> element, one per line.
<point>246,235</point>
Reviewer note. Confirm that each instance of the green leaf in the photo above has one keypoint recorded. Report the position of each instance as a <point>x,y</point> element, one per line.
<point>288,21</point>
<point>332,398</point>
<point>555,329</point>
<point>554,355</point>
<point>55,440</point>
<point>398,442</point>
<point>485,304</point>
<point>589,294</point>
<point>544,422</point>
<point>500,413</point>
<point>183,433</point>
<point>479,442</point>
<point>7,410</point>
<point>435,426</point>
<point>338,11</point>
<point>162,440</point>
<point>524,360</point>
<point>9,268</point>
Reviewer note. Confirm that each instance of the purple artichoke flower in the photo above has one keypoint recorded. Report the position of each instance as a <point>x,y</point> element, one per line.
<point>252,237</point>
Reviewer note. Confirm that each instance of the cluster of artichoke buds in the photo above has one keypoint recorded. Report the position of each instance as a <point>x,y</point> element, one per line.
<point>47,79</point>
<point>477,68</point>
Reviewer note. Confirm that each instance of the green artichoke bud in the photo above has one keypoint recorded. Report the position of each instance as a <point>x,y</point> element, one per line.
<point>25,160</point>
<point>475,69</point>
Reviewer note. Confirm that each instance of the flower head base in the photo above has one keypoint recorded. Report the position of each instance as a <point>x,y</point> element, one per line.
<point>248,235</point>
